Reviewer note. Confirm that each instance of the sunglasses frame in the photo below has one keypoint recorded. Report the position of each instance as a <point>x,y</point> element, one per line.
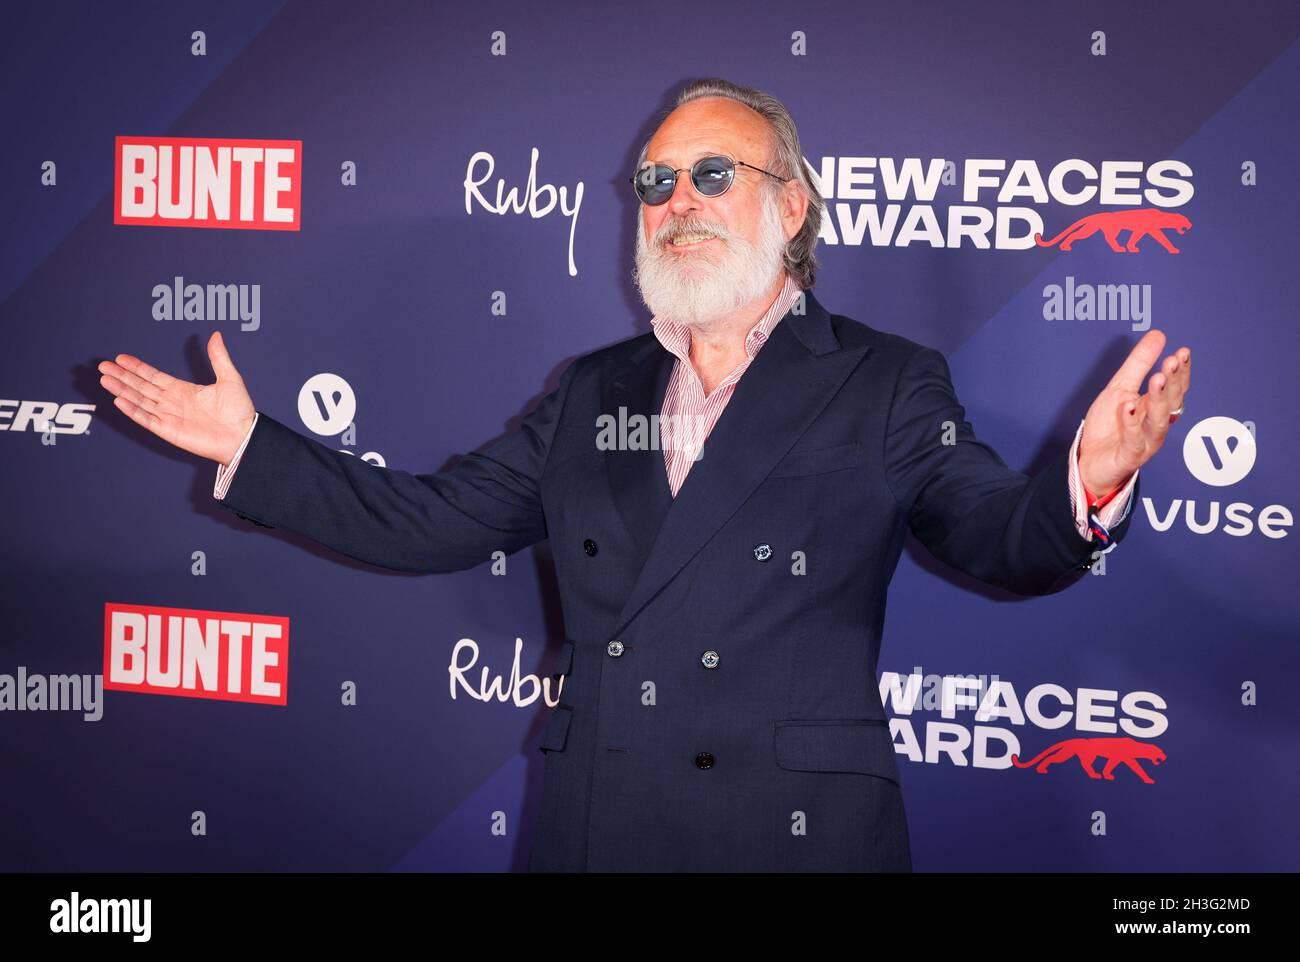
<point>731,178</point>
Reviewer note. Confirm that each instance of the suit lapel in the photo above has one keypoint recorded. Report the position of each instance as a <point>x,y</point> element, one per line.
<point>637,478</point>
<point>785,388</point>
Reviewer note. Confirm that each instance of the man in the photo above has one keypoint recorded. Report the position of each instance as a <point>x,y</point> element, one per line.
<point>724,593</point>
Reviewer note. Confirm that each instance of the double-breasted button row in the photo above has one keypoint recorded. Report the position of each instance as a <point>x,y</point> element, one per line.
<point>709,659</point>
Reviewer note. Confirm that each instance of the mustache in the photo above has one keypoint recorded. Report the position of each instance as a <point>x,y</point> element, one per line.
<point>673,229</point>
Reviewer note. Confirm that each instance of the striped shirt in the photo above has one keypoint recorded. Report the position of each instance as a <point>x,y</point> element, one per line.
<point>685,402</point>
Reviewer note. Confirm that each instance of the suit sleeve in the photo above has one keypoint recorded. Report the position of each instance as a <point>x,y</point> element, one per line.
<point>429,523</point>
<point>963,502</point>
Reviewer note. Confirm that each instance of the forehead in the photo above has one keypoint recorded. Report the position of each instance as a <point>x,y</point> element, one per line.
<point>710,125</point>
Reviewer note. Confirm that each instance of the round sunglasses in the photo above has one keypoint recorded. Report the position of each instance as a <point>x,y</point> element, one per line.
<point>711,175</point>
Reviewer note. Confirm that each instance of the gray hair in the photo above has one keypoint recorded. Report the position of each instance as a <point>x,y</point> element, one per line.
<point>787,162</point>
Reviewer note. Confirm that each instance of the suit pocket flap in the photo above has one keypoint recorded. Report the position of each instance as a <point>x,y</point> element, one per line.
<point>836,745</point>
<point>564,660</point>
<point>556,733</point>
<point>818,461</point>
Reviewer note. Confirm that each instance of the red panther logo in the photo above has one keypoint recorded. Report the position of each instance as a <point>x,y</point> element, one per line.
<point>1087,750</point>
<point>1144,222</point>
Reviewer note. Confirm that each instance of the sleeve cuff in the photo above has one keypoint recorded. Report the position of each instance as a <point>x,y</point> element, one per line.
<point>1115,511</point>
<point>225,474</point>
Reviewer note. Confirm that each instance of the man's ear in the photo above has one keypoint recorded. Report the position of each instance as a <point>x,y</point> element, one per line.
<point>794,208</point>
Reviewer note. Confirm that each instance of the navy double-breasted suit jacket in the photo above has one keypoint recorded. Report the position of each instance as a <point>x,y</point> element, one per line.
<point>716,700</point>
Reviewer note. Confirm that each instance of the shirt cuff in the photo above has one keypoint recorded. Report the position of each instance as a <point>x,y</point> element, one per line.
<point>1115,511</point>
<point>227,473</point>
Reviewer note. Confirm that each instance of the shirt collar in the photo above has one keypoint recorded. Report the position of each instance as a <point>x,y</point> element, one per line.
<point>677,337</point>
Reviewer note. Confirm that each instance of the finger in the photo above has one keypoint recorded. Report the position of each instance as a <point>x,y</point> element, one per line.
<point>1180,360</point>
<point>160,407</point>
<point>222,366</point>
<point>134,383</point>
<point>1128,413</point>
<point>139,415</point>
<point>1145,353</point>
<point>152,405</point>
<point>115,371</point>
<point>1151,427</point>
<point>1155,424</point>
<point>1132,411</point>
<point>1157,410</point>
<point>148,372</point>
<point>1180,378</point>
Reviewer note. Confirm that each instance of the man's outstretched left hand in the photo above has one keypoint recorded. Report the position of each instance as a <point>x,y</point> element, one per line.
<point>1124,428</point>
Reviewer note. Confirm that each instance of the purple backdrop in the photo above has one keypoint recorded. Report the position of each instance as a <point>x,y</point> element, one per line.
<point>390,284</point>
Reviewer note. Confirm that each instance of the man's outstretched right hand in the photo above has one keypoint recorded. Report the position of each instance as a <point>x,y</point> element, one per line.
<point>209,420</point>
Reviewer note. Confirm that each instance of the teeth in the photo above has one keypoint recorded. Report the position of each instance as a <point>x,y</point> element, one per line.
<point>690,239</point>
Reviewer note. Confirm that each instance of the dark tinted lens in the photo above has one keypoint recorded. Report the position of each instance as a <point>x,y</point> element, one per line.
<point>654,185</point>
<point>712,175</point>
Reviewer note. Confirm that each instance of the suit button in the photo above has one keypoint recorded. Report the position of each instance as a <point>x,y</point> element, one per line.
<point>589,546</point>
<point>615,649</point>
<point>704,760</point>
<point>763,551</point>
<point>709,659</point>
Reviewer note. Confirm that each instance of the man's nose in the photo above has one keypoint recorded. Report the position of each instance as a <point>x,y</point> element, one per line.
<point>685,197</point>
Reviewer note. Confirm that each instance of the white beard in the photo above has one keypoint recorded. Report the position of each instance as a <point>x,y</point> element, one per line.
<point>698,287</point>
